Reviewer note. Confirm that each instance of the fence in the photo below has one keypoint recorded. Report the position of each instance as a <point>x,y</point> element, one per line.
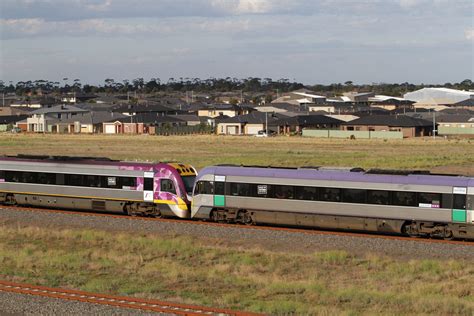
<point>352,134</point>
<point>182,130</point>
<point>443,130</point>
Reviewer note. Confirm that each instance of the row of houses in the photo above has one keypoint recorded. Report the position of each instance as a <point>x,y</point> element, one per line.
<point>289,114</point>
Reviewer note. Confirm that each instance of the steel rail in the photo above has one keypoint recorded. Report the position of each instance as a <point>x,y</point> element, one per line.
<point>308,231</point>
<point>116,301</point>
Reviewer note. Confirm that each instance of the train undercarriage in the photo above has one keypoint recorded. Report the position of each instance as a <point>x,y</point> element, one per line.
<point>99,205</point>
<point>387,226</point>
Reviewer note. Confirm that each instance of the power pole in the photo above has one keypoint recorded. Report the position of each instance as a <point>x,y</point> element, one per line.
<point>434,124</point>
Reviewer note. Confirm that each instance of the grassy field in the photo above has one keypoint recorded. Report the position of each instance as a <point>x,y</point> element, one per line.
<point>181,269</point>
<point>201,151</point>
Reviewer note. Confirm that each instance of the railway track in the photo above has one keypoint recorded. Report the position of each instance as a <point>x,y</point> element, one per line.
<point>116,301</point>
<point>268,228</point>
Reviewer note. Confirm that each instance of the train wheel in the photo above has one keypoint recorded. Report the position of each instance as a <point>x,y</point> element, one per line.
<point>245,218</point>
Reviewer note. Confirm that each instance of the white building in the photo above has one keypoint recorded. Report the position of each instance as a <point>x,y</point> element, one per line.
<point>438,96</point>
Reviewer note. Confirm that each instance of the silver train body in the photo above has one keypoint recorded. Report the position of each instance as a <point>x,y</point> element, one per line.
<point>414,204</point>
<point>155,189</point>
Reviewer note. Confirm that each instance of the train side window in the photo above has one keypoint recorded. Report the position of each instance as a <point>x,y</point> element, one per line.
<point>404,198</point>
<point>198,188</point>
<point>283,192</point>
<point>46,178</point>
<point>203,187</point>
<point>459,201</point>
<point>147,184</point>
<point>378,197</point>
<point>434,199</point>
<point>74,180</point>
<point>240,189</point>
<point>92,181</point>
<point>306,193</point>
<point>330,194</point>
<point>130,182</point>
<point>354,195</point>
<point>12,176</point>
<point>209,187</point>
<point>167,185</point>
<point>2,174</point>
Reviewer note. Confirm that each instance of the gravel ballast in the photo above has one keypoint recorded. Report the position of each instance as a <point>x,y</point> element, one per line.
<point>242,237</point>
<point>23,304</point>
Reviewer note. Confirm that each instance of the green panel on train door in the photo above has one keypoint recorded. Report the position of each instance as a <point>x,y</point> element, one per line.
<point>219,200</point>
<point>459,216</point>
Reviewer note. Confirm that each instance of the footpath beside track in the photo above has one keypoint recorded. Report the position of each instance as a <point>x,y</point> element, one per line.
<point>116,301</point>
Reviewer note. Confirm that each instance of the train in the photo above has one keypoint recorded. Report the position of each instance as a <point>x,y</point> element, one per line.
<point>98,184</point>
<point>415,203</point>
<point>384,201</point>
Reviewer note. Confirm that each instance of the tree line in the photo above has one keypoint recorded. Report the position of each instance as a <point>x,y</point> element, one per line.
<point>251,84</point>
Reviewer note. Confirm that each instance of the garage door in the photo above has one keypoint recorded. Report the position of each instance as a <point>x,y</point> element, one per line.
<point>110,129</point>
<point>232,130</point>
<point>253,130</point>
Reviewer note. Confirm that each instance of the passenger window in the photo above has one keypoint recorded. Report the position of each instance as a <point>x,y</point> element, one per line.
<point>330,194</point>
<point>433,199</point>
<point>354,196</point>
<point>378,197</point>
<point>307,193</point>
<point>240,189</point>
<point>167,185</point>
<point>404,199</point>
<point>283,192</point>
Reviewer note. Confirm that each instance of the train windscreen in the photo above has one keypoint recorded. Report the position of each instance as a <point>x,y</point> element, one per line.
<point>189,183</point>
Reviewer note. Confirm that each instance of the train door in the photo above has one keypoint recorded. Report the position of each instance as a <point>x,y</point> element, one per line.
<point>459,213</point>
<point>148,183</point>
<point>219,191</point>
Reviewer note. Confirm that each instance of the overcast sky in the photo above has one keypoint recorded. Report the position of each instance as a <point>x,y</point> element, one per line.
<point>310,41</point>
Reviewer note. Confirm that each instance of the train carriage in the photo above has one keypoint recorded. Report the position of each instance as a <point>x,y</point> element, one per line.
<point>100,184</point>
<point>382,201</point>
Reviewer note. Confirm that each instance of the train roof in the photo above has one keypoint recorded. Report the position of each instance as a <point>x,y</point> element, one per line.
<point>342,174</point>
<point>79,160</point>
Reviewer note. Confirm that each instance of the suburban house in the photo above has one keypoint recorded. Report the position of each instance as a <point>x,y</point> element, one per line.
<point>411,127</point>
<point>301,97</point>
<point>157,108</point>
<point>44,120</point>
<point>6,111</point>
<point>86,122</point>
<point>34,103</point>
<point>9,121</point>
<point>452,124</point>
<point>77,97</point>
<point>249,124</point>
<point>295,124</point>
<point>231,110</point>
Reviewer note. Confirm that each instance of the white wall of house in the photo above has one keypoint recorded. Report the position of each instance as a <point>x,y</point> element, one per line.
<point>215,113</point>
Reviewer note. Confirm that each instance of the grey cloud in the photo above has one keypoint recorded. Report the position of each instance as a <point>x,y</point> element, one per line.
<point>59,10</point>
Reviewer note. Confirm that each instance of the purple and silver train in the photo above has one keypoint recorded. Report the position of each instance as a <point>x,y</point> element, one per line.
<point>100,184</point>
<point>418,204</point>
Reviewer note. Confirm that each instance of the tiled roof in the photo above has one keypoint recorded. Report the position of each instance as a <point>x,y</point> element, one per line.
<point>390,120</point>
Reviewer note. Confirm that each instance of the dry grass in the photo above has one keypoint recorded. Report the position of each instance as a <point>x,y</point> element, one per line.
<point>181,269</point>
<point>201,151</point>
